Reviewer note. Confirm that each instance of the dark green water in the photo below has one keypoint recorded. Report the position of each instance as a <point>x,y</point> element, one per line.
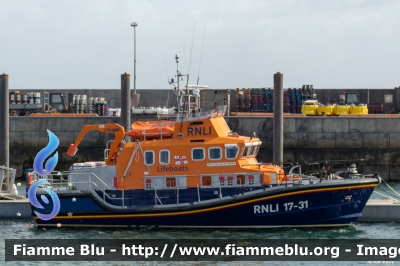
<point>20,229</point>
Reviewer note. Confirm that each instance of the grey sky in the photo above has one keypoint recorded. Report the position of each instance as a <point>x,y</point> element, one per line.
<point>89,44</point>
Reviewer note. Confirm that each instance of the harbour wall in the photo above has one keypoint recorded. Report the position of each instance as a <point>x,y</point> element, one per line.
<point>215,97</point>
<point>306,139</point>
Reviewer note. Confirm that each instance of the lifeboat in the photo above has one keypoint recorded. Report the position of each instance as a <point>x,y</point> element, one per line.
<point>200,174</point>
<point>152,129</point>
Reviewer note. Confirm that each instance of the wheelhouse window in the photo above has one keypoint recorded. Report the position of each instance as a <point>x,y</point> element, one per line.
<point>245,151</point>
<point>251,151</point>
<point>215,153</point>
<point>231,152</point>
<point>164,157</point>
<point>198,154</point>
<point>256,149</point>
<point>148,157</point>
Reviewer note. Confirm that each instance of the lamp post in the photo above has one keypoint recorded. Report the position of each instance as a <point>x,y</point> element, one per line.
<point>134,24</point>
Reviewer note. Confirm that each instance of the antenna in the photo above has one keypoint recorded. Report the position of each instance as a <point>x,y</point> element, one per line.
<point>201,57</point>
<point>166,68</point>
<point>184,48</point>
<point>190,62</point>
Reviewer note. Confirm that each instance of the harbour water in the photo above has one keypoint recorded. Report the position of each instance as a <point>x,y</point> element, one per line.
<point>22,229</point>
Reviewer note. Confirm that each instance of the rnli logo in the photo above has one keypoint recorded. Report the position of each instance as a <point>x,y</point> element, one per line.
<point>38,167</point>
<point>199,131</point>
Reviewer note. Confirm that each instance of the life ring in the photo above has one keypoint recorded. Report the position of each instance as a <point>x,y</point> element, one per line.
<point>30,180</point>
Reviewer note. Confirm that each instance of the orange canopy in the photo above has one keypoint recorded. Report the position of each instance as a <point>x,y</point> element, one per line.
<point>152,129</point>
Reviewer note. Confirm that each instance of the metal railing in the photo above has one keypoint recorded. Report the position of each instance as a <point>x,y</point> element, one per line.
<point>70,184</point>
<point>7,178</point>
<point>185,116</point>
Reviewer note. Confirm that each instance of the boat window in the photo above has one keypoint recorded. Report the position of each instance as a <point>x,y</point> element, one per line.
<point>230,180</point>
<point>240,180</point>
<point>171,182</point>
<point>251,150</point>
<point>214,153</point>
<point>198,154</point>
<point>164,157</point>
<point>206,180</point>
<point>148,183</point>
<point>222,181</point>
<point>148,157</point>
<point>245,151</point>
<point>256,149</point>
<point>251,179</point>
<point>231,152</point>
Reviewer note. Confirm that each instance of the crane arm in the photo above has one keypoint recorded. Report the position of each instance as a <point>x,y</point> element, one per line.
<point>115,129</point>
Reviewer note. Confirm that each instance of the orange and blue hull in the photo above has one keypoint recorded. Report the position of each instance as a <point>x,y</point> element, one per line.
<point>324,204</point>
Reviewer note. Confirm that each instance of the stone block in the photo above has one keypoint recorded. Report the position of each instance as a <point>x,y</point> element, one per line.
<point>304,156</point>
<point>335,124</point>
<point>394,140</point>
<point>264,155</point>
<point>91,139</point>
<point>289,155</point>
<point>251,125</point>
<point>381,156</point>
<point>362,125</point>
<point>382,170</point>
<point>73,124</point>
<point>390,125</point>
<point>375,140</point>
<point>394,173</point>
<point>23,123</point>
<point>263,126</point>
<point>51,123</point>
<point>308,125</point>
<point>31,139</point>
<point>289,140</point>
<point>289,125</point>
<point>341,154</point>
<point>207,95</point>
<point>95,154</point>
<point>99,120</point>
<point>234,123</point>
<point>65,138</point>
<point>349,140</point>
<point>16,140</point>
<point>316,140</point>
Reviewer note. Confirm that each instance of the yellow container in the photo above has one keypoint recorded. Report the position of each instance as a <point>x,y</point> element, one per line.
<point>327,110</point>
<point>341,109</point>
<point>310,109</point>
<point>358,110</point>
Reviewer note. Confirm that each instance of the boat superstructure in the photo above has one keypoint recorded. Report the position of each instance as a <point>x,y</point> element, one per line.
<point>195,172</point>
